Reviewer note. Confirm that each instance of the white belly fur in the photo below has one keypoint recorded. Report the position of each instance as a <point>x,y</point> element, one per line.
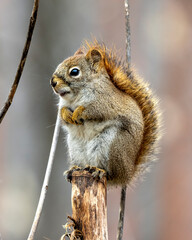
<point>89,144</point>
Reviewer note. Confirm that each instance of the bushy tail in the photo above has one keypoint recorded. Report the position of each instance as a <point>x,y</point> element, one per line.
<point>148,103</point>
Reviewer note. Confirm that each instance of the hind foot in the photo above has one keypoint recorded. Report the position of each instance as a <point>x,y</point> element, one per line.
<point>97,173</point>
<point>69,172</point>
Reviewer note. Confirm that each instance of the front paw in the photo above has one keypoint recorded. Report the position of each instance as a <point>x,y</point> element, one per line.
<point>78,117</point>
<point>66,115</point>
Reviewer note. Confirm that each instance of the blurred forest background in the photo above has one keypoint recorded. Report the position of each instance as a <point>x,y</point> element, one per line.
<point>159,208</point>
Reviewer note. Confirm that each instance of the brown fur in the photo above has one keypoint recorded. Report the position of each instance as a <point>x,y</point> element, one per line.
<point>110,108</point>
<point>127,81</point>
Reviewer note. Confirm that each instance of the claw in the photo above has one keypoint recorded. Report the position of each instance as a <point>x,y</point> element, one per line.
<point>96,173</point>
<point>69,172</point>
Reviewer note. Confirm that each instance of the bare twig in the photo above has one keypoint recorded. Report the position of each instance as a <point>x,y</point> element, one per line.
<point>128,33</point>
<point>128,58</point>
<point>22,61</point>
<point>121,213</point>
<point>46,179</point>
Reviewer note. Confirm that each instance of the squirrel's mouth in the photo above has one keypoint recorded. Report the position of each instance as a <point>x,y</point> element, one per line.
<point>63,93</point>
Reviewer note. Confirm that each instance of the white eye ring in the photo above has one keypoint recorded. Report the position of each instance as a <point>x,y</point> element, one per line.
<point>75,72</point>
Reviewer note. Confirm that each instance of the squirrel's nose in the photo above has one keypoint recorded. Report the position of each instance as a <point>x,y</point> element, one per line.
<point>53,83</point>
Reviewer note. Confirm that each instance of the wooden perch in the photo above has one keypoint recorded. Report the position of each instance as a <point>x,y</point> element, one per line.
<point>89,205</point>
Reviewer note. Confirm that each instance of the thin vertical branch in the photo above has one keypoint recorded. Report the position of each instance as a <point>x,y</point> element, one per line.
<point>46,179</point>
<point>128,58</point>
<point>22,61</point>
<point>128,33</point>
<point>121,213</point>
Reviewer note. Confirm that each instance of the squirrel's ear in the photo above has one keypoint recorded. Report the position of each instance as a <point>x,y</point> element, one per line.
<point>94,56</point>
<point>79,52</point>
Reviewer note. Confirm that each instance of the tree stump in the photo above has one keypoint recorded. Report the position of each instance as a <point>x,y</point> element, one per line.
<point>89,205</point>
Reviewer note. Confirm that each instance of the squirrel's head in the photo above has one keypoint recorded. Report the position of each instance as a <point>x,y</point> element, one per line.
<point>77,72</point>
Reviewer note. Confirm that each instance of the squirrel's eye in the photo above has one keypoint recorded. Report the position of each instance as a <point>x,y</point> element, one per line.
<point>74,72</point>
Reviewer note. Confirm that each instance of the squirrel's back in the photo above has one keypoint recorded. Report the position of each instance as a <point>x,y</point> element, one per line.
<point>127,81</point>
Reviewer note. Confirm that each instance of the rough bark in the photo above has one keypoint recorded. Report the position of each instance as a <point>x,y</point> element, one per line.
<point>89,205</point>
